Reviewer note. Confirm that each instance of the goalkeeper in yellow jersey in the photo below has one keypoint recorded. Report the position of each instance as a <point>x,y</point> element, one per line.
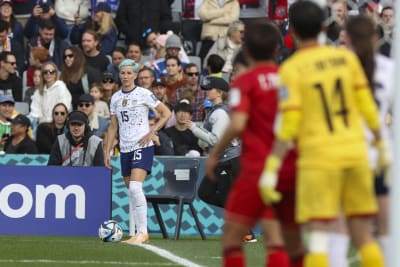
<point>325,101</point>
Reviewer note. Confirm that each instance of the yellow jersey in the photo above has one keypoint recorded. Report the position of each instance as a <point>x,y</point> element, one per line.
<point>321,82</point>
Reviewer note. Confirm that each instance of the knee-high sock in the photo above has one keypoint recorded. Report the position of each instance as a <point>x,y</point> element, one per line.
<point>139,206</point>
<point>233,257</point>
<point>371,255</point>
<point>383,241</point>
<point>132,226</point>
<point>277,257</point>
<point>337,249</point>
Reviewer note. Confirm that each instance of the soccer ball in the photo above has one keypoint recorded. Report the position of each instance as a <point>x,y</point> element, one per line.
<point>110,231</point>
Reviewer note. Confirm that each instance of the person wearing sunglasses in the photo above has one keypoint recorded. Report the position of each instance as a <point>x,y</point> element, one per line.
<point>76,74</point>
<point>77,146</point>
<point>10,83</point>
<point>51,91</point>
<point>47,132</point>
<point>98,125</point>
<point>192,74</point>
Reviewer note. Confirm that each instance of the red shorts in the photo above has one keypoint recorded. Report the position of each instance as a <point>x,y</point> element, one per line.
<point>244,204</point>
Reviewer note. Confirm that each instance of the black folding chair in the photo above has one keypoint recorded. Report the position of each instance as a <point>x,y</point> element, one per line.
<point>180,177</point>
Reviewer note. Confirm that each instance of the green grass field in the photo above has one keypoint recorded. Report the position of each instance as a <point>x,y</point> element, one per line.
<point>90,252</point>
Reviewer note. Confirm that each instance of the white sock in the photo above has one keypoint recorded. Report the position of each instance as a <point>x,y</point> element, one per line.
<point>338,249</point>
<point>383,241</point>
<point>132,230</point>
<point>139,206</point>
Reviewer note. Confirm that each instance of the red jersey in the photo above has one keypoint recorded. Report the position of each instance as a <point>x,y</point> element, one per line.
<point>256,94</point>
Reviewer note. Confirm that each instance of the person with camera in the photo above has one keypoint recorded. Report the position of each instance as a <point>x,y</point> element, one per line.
<point>78,146</point>
<point>44,11</point>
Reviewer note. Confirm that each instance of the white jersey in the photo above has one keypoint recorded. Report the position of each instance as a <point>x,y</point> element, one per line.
<point>383,94</point>
<point>132,112</point>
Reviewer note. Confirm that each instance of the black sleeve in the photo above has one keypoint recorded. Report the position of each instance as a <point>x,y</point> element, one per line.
<point>165,17</point>
<point>98,159</point>
<point>166,146</point>
<point>43,140</point>
<point>55,157</point>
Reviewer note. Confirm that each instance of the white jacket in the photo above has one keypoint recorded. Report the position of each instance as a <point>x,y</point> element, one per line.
<point>42,105</point>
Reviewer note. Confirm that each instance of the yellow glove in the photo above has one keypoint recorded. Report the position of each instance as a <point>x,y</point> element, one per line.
<point>384,157</point>
<point>269,180</point>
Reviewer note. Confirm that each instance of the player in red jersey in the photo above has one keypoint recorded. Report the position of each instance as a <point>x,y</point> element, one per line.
<point>254,104</point>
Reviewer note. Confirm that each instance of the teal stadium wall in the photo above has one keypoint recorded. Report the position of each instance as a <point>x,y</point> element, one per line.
<point>210,217</point>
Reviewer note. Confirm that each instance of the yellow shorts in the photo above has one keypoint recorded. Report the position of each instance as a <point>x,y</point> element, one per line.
<point>323,192</point>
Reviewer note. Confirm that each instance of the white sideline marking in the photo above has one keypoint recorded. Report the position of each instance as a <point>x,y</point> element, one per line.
<point>168,255</point>
<point>87,262</point>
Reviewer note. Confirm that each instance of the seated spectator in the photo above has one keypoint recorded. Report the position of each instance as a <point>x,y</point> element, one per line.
<point>76,74</point>
<point>10,83</point>
<point>185,143</point>
<point>339,14</point>
<point>117,56</point>
<point>163,145</point>
<point>216,17</point>
<point>387,20</point>
<point>98,125</point>
<point>44,11</point>
<point>174,78</point>
<point>7,44</point>
<point>78,146</point>
<point>103,24</point>
<point>47,132</point>
<point>145,77</point>
<point>156,42</point>
<point>37,81</point>
<point>191,72</point>
<point>47,38</point>
<point>101,107</point>
<point>37,57</point>
<point>227,47</point>
<point>172,48</point>
<point>110,86</point>
<point>214,66</point>
<point>19,141</point>
<point>159,89</point>
<point>6,112</point>
<point>16,31</point>
<point>135,53</point>
<point>51,92</point>
<point>91,50</point>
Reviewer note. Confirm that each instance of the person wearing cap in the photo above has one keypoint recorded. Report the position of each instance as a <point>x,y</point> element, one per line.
<point>129,111</point>
<point>163,145</point>
<point>102,23</point>
<point>44,10</point>
<point>110,86</point>
<point>134,17</point>
<point>215,124</point>
<point>19,141</point>
<point>78,146</point>
<point>98,125</point>
<point>6,112</point>
<point>173,47</point>
<point>15,27</point>
<point>185,142</point>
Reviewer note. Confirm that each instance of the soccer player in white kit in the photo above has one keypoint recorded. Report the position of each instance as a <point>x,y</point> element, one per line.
<point>129,109</point>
